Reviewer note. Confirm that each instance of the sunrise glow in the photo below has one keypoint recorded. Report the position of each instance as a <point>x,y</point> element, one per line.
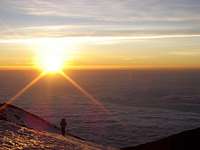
<point>51,56</point>
<point>51,63</point>
<point>122,37</point>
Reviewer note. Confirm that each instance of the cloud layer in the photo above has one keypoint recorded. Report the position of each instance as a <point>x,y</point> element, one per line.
<point>100,17</point>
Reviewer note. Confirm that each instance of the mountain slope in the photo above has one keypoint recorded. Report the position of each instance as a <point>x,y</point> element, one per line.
<point>22,130</point>
<point>16,137</point>
<point>21,117</point>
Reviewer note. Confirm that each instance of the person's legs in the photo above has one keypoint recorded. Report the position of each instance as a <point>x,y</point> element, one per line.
<point>63,131</point>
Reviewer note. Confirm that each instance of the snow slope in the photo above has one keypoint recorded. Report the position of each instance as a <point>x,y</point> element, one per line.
<point>21,117</point>
<point>22,130</point>
<point>16,137</point>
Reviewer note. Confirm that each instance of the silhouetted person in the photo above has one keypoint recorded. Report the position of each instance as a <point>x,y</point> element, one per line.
<point>63,125</point>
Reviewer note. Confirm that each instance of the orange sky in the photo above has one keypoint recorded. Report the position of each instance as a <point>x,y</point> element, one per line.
<point>126,35</point>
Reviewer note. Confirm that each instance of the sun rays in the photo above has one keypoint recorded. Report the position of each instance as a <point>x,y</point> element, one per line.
<point>22,91</point>
<point>94,100</point>
<point>84,92</point>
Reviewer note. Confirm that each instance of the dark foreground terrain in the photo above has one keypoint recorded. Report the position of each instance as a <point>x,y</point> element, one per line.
<point>188,140</point>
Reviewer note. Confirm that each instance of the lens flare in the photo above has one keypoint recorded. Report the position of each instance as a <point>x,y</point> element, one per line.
<point>22,91</point>
<point>84,92</point>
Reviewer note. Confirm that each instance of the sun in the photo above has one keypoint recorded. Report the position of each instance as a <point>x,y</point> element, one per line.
<point>53,55</point>
<point>51,62</point>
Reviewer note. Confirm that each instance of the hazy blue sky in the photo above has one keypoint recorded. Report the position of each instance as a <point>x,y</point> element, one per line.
<point>114,32</point>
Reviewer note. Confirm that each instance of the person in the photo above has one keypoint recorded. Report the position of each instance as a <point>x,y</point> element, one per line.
<point>63,125</point>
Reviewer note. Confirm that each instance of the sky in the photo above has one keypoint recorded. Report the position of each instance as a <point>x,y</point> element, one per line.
<point>114,33</point>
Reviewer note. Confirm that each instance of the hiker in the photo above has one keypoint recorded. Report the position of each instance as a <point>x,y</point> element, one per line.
<point>63,125</point>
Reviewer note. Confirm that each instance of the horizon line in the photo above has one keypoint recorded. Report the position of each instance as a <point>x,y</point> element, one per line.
<point>105,67</point>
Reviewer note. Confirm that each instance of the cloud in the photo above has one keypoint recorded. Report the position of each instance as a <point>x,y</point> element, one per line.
<point>118,18</point>
<point>112,10</point>
<point>100,40</point>
<point>185,53</point>
<point>130,32</point>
